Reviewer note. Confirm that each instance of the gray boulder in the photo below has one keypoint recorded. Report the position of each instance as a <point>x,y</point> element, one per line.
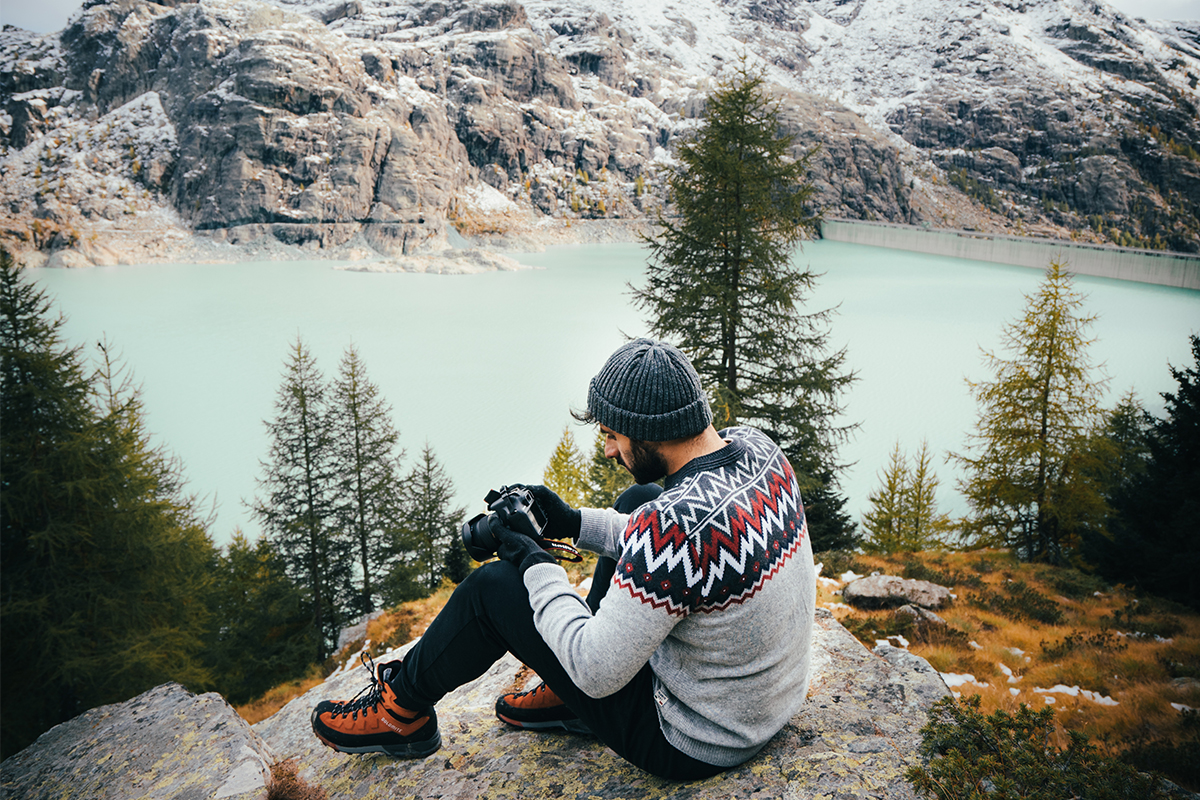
<point>165,743</point>
<point>889,591</point>
<point>855,737</point>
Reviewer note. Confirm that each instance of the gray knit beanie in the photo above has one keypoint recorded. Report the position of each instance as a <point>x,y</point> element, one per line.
<point>649,391</point>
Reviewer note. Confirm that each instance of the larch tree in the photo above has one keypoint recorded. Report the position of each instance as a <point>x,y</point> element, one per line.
<point>903,515</point>
<point>297,505</point>
<point>366,458</point>
<point>105,558</point>
<point>722,286</point>
<point>927,527</point>
<point>566,472</point>
<point>1028,467</point>
<point>431,521</point>
<point>884,521</point>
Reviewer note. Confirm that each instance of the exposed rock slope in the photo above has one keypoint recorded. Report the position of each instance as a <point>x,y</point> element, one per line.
<point>164,743</point>
<point>854,738</point>
<point>376,123</point>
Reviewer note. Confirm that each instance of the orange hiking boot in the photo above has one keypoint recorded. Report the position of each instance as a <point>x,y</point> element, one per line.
<point>373,722</point>
<point>538,709</point>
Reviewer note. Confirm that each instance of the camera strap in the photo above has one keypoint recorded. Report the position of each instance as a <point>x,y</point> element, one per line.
<point>561,550</point>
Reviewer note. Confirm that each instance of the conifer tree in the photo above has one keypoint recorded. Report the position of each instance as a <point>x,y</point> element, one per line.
<point>927,528</point>
<point>885,522</point>
<point>262,627</point>
<point>566,472</point>
<point>297,506</point>
<point>1028,470</point>
<point>722,285</point>
<point>1152,540</point>
<point>1122,445</point>
<point>903,514</point>
<point>457,564</point>
<point>430,519</point>
<point>105,558</point>
<point>365,457</point>
<point>605,477</point>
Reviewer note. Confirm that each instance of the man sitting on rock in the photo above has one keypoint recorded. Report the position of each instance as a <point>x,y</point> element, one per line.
<point>699,652</point>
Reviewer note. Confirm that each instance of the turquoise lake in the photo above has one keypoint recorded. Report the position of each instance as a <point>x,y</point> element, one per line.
<point>486,367</point>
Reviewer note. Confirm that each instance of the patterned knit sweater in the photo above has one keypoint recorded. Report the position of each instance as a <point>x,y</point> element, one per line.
<point>715,588</point>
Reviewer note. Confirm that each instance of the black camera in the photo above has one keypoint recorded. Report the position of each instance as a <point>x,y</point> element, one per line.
<point>515,508</point>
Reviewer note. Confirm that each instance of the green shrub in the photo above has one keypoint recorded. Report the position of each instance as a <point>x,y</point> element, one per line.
<point>920,572</point>
<point>1006,757</point>
<point>1076,584</point>
<point>983,566</point>
<point>1175,668</point>
<point>1022,602</point>
<point>1143,618</point>
<point>1104,640</point>
<point>1176,756</point>
<point>838,561</point>
<point>870,627</point>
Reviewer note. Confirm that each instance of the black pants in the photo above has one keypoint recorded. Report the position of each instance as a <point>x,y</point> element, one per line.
<point>488,615</point>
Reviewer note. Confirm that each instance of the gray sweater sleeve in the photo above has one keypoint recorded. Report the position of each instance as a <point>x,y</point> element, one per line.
<point>601,653</point>
<point>600,531</point>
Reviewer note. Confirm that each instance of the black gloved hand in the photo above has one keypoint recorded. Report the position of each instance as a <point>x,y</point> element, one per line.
<point>562,521</point>
<point>519,550</point>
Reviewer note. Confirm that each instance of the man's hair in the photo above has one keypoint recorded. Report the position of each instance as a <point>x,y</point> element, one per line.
<point>584,417</point>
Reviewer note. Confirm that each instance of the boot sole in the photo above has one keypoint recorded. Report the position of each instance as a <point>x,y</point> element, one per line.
<point>407,750</point>
<point>568,725</point>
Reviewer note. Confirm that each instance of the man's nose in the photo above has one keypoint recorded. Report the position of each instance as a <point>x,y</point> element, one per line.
<point>610,449</point>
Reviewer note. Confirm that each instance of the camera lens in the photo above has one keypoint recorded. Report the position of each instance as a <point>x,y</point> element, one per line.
<point>478,537</point>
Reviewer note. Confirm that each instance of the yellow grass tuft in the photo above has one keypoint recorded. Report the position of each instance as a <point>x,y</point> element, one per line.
<point>257,710</point>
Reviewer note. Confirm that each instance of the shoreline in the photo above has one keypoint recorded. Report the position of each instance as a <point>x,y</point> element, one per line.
<point>168,242</point>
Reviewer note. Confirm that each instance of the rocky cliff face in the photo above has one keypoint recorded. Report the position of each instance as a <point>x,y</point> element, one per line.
<point>378,123</point>
<point>854,738</point>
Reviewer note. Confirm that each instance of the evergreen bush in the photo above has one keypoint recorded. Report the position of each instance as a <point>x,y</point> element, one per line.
<point>1022,602</point>
<point>1008,756</point>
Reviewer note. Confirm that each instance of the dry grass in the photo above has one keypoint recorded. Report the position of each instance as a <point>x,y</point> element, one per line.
<point>482,223</point>
<point>260,708</point>
<point>1144,675</point>
<point>286,784</point>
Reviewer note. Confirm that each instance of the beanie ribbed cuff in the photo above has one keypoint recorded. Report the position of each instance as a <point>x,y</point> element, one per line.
<point>678,424</point>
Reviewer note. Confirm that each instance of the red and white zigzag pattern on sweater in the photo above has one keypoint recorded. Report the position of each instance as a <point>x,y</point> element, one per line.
<point>717,538</point>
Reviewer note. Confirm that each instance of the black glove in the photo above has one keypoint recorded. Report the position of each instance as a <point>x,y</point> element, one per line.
<point>519,550</point>
<point>562,521</point>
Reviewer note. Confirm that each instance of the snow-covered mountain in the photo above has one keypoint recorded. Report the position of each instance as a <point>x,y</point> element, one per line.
<point>377,123</point>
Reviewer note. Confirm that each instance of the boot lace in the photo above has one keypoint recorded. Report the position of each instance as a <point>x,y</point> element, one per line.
<point>368,698</point>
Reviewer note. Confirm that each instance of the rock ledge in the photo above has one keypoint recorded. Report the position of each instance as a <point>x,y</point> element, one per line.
<point>854,738</point>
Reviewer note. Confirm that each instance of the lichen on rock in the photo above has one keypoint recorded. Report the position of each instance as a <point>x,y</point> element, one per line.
<point>164,743</point>
<point>855,737</point>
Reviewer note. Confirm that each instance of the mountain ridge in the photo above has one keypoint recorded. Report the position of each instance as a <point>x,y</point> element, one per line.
<point>361,127</point>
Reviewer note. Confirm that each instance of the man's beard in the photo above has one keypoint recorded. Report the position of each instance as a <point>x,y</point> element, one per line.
<point>647,463</point>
